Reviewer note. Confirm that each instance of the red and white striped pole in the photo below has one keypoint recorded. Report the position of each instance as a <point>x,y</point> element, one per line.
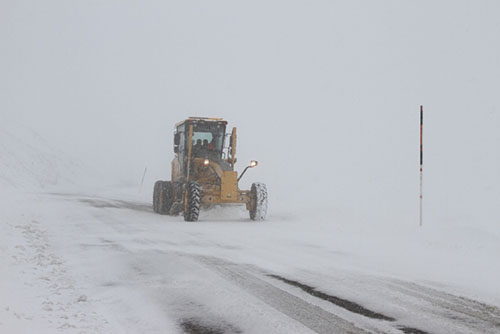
<point>421,159</point>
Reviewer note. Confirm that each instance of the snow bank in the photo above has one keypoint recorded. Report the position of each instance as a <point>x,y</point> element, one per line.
<point>28,162</point>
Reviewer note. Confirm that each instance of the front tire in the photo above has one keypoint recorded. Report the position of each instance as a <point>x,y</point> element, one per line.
<point>193,202</point>
<point>258,211</point>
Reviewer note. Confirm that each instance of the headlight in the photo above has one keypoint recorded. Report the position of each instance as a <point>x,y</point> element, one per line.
<point>253,163</point>
<point>206,162</point>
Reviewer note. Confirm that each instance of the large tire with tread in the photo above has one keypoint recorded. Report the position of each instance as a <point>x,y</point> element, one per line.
<point>193,202</point>
<point>156,195</point>
<point>259,197</point>
<point>165,197</point>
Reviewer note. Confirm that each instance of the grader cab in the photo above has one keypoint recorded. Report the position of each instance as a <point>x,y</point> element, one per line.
<point>203,173</point>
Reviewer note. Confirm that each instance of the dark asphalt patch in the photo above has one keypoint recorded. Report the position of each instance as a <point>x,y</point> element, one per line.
<point>97,203</point>
<point>196,326</point>
<point>134,206</point>
<point>344,303</point>
<point>115,204</point>
<point>409,330</point>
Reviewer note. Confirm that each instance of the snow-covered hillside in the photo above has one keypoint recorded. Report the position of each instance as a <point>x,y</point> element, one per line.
<point>29,162</point>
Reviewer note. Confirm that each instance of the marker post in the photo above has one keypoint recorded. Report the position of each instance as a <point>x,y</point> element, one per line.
<point>421,160</point>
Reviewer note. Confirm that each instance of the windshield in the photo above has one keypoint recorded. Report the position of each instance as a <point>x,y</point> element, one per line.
<point>208,140</point>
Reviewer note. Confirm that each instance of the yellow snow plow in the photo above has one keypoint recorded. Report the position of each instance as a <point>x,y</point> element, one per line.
<point>203,173</point>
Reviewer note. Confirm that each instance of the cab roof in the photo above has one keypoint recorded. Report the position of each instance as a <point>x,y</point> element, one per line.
<point>192,120</point>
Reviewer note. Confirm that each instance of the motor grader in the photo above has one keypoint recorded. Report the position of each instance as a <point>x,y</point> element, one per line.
<point>203,173</point>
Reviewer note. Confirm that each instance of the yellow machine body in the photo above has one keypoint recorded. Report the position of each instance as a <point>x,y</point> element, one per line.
<point>219,186</point>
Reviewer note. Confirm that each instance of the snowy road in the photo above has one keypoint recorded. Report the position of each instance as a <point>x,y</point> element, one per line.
<point>91,264</point>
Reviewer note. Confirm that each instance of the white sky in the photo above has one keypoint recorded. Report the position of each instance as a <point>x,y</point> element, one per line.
<point>325,93</point>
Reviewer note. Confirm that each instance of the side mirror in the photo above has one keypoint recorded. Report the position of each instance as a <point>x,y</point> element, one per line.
<point>177,139</point>
<point>232,147</point>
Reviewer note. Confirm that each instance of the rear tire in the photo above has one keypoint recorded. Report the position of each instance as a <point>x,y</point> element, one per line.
<point>193,202</point>
<point>165,197</point>
<point>259,197</point>
<point>156,195</point>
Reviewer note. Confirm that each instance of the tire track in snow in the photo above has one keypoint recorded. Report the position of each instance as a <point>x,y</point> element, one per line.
<point>418,309</point>
<point>347,304</point>
<point>311,316</point>
<point>475,316</point>
<point>344,303</point>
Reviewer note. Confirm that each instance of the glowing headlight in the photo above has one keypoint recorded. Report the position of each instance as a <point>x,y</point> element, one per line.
<point>253,163</point>
<point>206,162</point>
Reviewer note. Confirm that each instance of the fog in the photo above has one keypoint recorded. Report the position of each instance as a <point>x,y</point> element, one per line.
<point>325,95</point>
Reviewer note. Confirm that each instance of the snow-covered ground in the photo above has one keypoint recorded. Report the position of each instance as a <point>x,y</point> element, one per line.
<point>79,259</point>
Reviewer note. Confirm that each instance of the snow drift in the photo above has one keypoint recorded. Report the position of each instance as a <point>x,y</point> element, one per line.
<point>29,162</point>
